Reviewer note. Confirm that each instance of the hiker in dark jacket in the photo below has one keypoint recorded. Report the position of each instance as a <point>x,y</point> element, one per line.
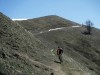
<point>59,53</point>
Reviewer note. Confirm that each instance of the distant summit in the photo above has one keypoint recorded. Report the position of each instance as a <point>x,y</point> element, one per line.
<point>45,23</point>
<point>54,20</point>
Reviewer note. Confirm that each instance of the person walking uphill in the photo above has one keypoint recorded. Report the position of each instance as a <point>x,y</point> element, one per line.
<point>59,53</point>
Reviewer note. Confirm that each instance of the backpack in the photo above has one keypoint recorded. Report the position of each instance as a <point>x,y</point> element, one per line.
<point>60,51</point>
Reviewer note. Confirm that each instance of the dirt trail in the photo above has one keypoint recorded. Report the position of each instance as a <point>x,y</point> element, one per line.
<point>56,67</point>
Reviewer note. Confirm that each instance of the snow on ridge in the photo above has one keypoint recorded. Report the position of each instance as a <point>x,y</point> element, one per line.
<point>58,29</point>
<point>54,29</point>
<point>18,19</point>
<point>76,26</point>
<point>61,28</point>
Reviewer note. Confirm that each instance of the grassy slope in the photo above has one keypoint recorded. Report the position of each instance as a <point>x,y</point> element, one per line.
<point>20,52</point>
<point>83,48</point>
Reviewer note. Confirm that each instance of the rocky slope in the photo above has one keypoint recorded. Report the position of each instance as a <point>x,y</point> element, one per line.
<point>23,53</point>
<point>20,52</point>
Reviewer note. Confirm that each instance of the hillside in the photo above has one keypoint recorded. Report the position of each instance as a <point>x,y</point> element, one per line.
<point>83,48</point>
<point>44,23</point>
<point>26,51</point>
<point>20,52</point>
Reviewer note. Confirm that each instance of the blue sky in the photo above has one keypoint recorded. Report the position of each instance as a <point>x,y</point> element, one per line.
<point>76,10</point>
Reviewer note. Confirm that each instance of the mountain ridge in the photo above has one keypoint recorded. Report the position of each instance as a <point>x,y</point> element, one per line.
<point>47,22</point>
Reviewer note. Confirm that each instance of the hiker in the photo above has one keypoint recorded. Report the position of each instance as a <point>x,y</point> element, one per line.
<point>59,53</point>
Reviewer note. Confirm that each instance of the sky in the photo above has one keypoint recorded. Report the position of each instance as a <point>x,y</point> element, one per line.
<point>75,10</point>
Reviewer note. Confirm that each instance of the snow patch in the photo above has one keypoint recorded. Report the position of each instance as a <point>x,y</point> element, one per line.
<point>58,29</point>
<point>54,29</point>
<point>41,32</point>
<point>18,19</point>
<point>76,26</point>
